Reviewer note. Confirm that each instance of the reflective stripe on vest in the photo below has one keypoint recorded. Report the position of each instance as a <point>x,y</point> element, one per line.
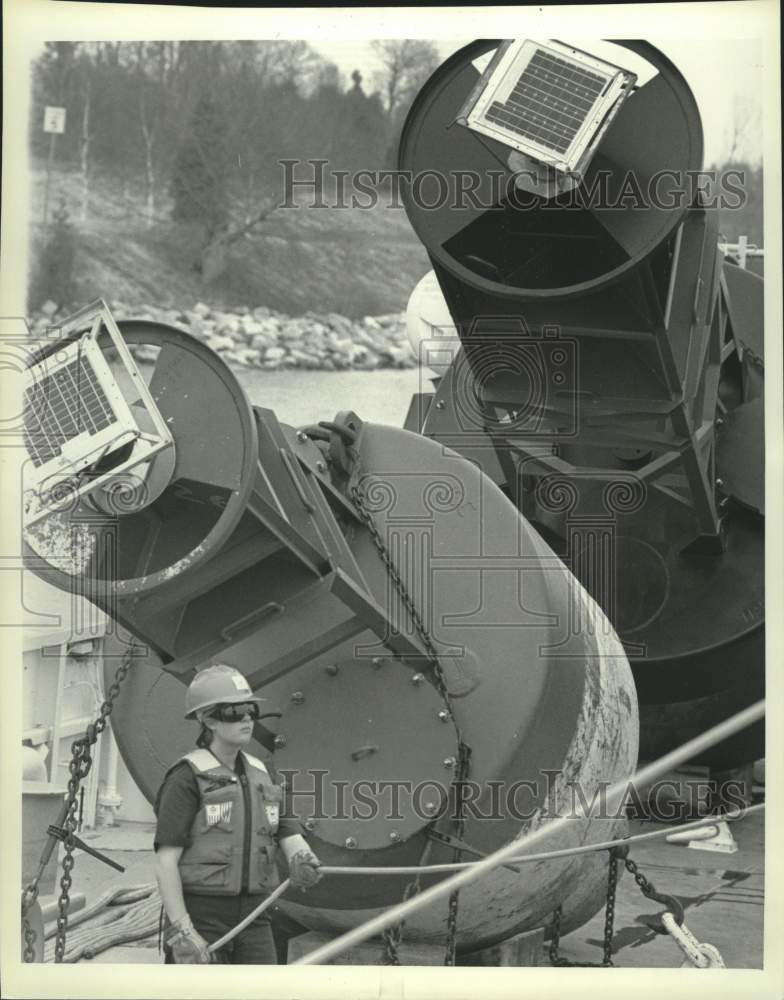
<point>212,864</point>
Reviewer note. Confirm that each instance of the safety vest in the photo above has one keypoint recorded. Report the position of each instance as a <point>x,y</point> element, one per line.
<point>232,846</point>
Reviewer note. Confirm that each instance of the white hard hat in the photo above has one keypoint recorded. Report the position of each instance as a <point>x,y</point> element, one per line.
<point>219,684</point>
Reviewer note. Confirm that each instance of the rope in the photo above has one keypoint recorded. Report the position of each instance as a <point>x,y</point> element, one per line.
<point>565,852</point>
<point>702,956</point>
<point>87,943</point>
<point>136,923</point>
<point>118,896</point>
<point>250,917</point>
<point>616,794</point>
<point>425,869</point>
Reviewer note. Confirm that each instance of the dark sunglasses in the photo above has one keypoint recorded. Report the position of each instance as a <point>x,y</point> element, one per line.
<point>235,713</point>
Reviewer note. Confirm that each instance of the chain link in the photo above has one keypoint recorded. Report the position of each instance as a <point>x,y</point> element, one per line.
<point>359,502</point>
<point>618,853</point>
<point>609,908</point>
<point>79,767</point>
<point>29,897</point>
<point>464,757</point>
<point>646,886</point>
<point>609,923</point>
<point>754,359</point>
<point>393,936</point>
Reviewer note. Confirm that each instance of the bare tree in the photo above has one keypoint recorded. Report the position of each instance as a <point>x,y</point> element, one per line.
<point>745,132</point>
<point>262,82</point>
<point>91,58</point>
<point>406,64</point>
<point>84,146</point>
<point>148,135</point>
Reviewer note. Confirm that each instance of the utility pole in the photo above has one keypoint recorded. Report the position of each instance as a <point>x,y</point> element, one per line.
<point>54,124</point>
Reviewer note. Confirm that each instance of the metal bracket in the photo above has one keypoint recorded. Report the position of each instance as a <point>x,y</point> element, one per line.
<point>60,834</point>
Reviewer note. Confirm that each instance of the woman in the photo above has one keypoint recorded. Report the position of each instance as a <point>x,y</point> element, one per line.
<point>218,829</point>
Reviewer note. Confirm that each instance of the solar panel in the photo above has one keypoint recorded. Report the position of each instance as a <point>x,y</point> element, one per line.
<point>82,413</point>
<point>546,100</point>
<point>62,406</point>
<point>549,102</point>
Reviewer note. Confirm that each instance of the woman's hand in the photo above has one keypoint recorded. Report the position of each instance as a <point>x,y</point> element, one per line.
<point>187,945</point>
<point>304,870</point>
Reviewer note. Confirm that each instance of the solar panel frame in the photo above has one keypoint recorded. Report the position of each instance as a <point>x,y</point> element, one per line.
<point>70,413</point>
<point>546,100</point>
<point>63,405</point>
<point>76,413</point>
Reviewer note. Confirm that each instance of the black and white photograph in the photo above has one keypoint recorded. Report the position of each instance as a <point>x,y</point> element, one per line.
<point>385,456</point>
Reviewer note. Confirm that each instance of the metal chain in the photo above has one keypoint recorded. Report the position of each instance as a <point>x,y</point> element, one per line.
<point>29,896</point>
<point>671,903</point>
<point>79,767</point>
<point>359,502</point>
<point>464,757</point>
<point>393,936</point>
<point>673,907</point>
<point>609,908</point>
<point>646,886</point>
<point>609,924</point>
<point>754,359</point>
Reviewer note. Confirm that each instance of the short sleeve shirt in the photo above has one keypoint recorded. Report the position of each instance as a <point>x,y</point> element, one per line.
<point>177,804</point>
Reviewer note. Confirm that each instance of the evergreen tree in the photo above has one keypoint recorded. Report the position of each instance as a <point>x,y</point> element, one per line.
<point>54,279</point>
<point>198,185</point>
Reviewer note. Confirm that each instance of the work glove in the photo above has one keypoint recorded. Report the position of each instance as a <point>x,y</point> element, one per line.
<point>304,870</point>
<point>187,945</point>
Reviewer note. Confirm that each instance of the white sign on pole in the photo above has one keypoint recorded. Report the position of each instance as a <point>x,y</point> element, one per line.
<point>54,120</point>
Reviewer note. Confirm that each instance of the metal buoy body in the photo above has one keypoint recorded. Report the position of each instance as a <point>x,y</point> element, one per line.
<point>394,608</point>
<point>609,379</point>
<point>540,689</point>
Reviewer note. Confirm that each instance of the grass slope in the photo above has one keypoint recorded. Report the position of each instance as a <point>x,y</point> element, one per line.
<point>352,261</point>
